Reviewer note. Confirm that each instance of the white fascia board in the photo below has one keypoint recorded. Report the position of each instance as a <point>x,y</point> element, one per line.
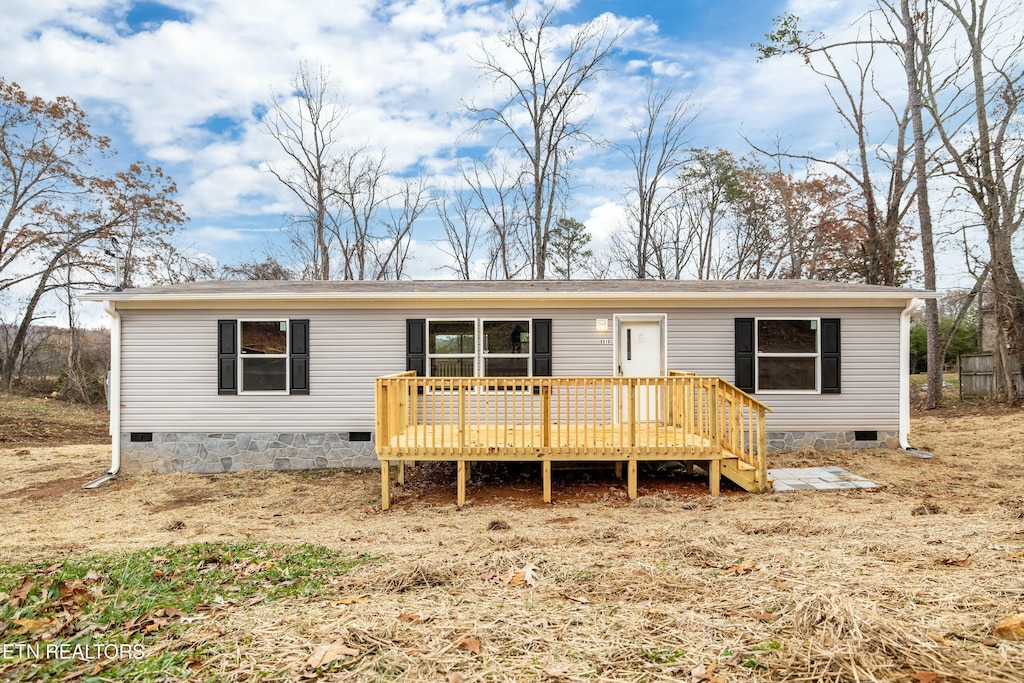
<point>510,298</point>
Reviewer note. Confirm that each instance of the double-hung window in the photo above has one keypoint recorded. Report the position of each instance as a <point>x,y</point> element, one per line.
<point>263,356</point>
<point>484,348</point>
<point>787,354</point>
<point>263,353</point>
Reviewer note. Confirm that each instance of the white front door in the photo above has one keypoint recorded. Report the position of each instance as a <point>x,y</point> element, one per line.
<point>640,350</point>
<point>641,353</point>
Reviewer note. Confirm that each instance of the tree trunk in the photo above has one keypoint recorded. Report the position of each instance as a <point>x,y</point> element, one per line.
<point>933,398</point>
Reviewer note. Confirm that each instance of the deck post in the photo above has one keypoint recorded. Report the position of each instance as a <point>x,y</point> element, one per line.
<point>618,469</point>
<point>762,451</point>
<point>546,477</point>
<point>385,484</point>
<point>401,472</point>
<point>715,477</point>
<point>461,486</point>
<point>631,479</point>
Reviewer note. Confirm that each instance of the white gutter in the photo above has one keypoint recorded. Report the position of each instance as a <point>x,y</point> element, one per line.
<point>905,374</point>
<point>113,396</point>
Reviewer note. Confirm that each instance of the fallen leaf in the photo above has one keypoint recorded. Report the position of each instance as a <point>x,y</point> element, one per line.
<point>471,644</point>
<point>989,641</point>
<point>32,625</point>
<point>413,618</point>
<point>91,575</point>
<point>1010,628</point>
<point>651,544</point>
<point>705,674</point>
<point>939,639</point>
<point>455,677</point>
<point>1019,553</point>
<point>950,562</point>
<point>488,575</point>
<point>741,569</point>
<point>781,584</point>
<point>329,652</point>
<point>351,600</point>
<point>924,676</point>
<point>761,616</point>
<point>582,601</point>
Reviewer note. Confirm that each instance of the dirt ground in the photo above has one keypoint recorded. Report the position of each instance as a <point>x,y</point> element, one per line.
<point>903,582</point>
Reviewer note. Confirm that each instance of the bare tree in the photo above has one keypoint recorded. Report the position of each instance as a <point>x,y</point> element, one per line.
<point>543,85</point>
<point>656,152</point>
<point>307,127</point>
<point>976,106</point>
<point>708,186</point>
<point>55,209</point>
<point>391,250</point>
<point>462,230</point>
<point>496,198</point>
<point>788,37</point>
<point>886,204</point>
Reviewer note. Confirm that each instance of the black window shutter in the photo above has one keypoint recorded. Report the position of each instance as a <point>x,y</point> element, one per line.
<point>298,357</point>
<point>541,342</point>
<point>227,357</point>
<point>416,346</point>
<point>831,374</point>
<point>744,350</point>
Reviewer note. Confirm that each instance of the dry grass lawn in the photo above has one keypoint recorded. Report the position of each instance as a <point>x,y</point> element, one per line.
<point>902,583</point>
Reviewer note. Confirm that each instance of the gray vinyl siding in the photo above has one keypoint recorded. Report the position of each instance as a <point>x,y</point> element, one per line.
<point>169,365</point>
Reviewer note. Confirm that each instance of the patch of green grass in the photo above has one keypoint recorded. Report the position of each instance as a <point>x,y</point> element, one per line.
<point>133,599</point>
<point>768,645</point>
<point>661,656</point>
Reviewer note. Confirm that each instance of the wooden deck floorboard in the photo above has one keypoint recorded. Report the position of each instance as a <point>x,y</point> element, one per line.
<point>649,441</point>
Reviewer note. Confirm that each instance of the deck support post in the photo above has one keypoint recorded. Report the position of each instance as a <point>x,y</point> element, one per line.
<point>631,479</point>
<point>461,486</point>
<point>715,477</point>
<point>689,468</point>
<point>618,469</point>
<point>401,473</point>
<point>546,477</point>
<point>385,484</point>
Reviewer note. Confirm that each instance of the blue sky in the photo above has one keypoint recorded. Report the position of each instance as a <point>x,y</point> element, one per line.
<point>182,83</point>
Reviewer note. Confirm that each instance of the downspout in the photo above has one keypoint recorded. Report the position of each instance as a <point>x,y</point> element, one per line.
<point>904,430</point>
<point>113,396</point>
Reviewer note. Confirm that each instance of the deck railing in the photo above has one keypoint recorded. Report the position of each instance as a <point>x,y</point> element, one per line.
<point>678,417</point>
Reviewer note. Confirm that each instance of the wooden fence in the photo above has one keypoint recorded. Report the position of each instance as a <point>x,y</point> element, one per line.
<point>978,375</point>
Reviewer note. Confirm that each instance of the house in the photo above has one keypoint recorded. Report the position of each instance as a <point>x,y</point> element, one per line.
<point>221,376</point>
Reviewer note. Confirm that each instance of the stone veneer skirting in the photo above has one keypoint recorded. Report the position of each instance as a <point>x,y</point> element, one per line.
<point>790,441</point>
<point>226,452</point>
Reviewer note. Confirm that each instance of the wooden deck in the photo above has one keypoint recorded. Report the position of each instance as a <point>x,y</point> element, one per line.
<point>622,420</point>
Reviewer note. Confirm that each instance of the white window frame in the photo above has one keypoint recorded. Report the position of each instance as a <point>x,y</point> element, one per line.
<point>286,355</point>
<point>484,354</point>
<point>479,354</point>
<point>758,355</point>
<point>476,344</point>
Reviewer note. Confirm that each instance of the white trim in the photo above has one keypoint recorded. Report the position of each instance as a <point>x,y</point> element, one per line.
<point>904,384</point>
<point>619,318</point>
<point>476,344</point>
<point>286,356</point>
<point>816,356</point>
<point>479,356</point>
<point>115,386</point>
